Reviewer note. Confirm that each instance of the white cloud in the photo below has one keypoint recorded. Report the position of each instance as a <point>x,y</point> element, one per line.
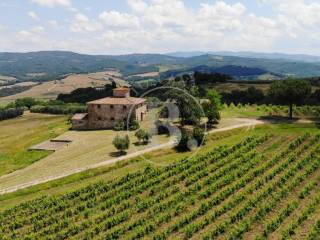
<point>33,15</point>
<point>119,20</point>
<point>81,23</point>
<point>37,29</point>
<point>299,20</point>
<point>54,23</point>
<point>2,27</point>
<point>168,25</point>
<point>171,25</point>
<point>52,3</point>
<point>137,5</point>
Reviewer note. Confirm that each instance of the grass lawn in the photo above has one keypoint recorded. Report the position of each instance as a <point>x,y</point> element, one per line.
<point>17,135</point>
<point>165,156</point>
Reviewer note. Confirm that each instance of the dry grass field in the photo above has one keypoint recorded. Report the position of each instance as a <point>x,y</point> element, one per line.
<point>86,148</point>
<point>149,74</point>
<point>17,135</point>
<point>51,89</point>
<point>21,84</point>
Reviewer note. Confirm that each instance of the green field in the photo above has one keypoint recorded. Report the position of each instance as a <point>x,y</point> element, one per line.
<point>261,183</point>
<point>17,135</point>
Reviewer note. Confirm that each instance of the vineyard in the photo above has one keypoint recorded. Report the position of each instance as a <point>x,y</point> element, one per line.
<point>270,110</point>
<point>264,187</point>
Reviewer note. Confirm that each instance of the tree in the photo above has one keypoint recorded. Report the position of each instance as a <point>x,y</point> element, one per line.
<point>190,112</point>
<point>183,144</point>
<point>212,106</point>
<point>290,92</point>
<point>121,143</point>
<point>25,102</point>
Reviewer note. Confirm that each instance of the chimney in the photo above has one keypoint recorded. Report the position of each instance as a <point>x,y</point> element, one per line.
<point>121,92</point>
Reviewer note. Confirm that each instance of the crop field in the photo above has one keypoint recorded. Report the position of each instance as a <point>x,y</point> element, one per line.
<point>265,186</point>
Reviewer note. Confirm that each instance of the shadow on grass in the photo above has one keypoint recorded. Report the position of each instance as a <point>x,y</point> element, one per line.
<point>117,154</point>
<point>140,143</point>
<point>282,119</point>
<point>278,119</point>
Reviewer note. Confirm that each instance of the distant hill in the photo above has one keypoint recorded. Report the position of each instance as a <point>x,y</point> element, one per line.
<point>278,56</point>
<point>231,70</point>
<point>50,65</point>
<point>276,66</point>
<point>54,64</point>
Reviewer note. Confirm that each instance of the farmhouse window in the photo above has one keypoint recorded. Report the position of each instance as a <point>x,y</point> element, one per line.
<point>99,106</point>
<point>112,119</point>
<point>111,106</point>
<point>124,107</point>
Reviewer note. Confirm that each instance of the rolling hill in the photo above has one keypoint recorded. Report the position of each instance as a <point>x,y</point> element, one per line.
<point>52,65</point>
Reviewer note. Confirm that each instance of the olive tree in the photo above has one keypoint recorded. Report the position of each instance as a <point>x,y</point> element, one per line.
<point>121,143</point>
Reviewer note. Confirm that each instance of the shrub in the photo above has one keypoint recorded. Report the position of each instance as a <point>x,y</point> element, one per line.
<point>120,126</point>
<point>199,135</point>
<point>10,113</point>
<point>143,136</point>
<point>134,125</point>
<point>59,109</point>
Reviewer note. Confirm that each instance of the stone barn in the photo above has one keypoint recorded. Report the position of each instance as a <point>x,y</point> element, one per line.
<point>105,113</point>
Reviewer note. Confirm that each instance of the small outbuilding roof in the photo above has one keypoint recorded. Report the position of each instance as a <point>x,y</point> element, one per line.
<point>79,116</point>
<point>118,101</point>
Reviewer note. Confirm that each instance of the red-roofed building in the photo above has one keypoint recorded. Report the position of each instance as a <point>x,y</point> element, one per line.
<point>105,113</point>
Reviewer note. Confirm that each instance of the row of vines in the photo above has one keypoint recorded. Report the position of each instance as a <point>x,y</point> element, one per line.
<point>265,187</point>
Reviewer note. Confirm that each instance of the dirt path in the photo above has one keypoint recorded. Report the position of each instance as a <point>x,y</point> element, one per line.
<point>15,181</point>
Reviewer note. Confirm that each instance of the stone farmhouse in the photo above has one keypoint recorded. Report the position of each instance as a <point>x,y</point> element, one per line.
<point>105,113</point>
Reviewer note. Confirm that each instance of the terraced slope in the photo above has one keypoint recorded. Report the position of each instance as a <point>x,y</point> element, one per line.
<point>265,187</point>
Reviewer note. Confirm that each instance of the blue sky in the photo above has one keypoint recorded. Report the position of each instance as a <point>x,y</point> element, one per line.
<point>131,26</point>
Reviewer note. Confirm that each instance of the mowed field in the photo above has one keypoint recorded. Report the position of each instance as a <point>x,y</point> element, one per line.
<point>261,183</point>
<point>86,148</point>
<point>17,135</point>
<point>51,89</point>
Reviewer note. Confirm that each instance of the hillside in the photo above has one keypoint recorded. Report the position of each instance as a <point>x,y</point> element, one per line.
<point>46,66</point>
<point>41,66</point>
<point>231,70</point>
<point>51,89</point>
<point>274,56</point>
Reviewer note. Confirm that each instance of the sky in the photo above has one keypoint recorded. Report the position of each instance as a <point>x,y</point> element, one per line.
<point>160,26</point>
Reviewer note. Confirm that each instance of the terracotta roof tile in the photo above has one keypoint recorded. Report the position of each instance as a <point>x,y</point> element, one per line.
<point>118,101</point>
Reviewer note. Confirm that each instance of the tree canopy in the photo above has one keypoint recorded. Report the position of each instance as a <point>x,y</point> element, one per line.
<point>212,106</point>
<point>290,92</point>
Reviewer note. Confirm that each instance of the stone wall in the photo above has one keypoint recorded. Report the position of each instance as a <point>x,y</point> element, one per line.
<point>106,116</point>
